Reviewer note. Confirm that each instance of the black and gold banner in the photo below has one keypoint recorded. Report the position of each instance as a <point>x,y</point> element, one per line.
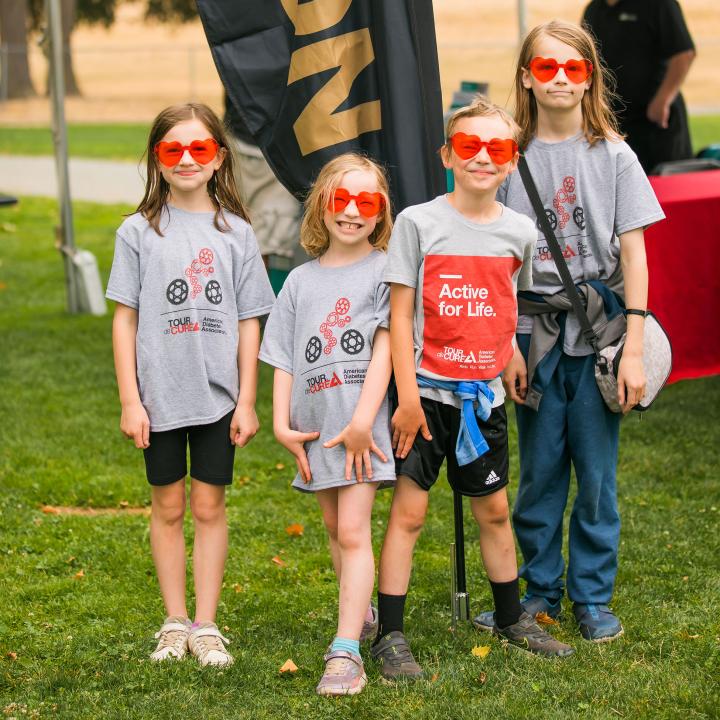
<point>318,78</point>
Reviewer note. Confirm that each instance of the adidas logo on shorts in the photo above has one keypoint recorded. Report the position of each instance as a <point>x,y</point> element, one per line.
<point>492,478</point>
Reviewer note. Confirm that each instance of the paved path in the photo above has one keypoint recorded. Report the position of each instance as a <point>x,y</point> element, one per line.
<point>102,181</point>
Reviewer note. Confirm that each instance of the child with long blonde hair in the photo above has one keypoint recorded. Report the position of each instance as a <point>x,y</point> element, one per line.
<point>598,201</point>
<point>190,287</point>
<point>327,338</point>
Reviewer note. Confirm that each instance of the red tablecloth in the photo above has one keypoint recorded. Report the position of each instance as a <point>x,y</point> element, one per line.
<point>683,254</point>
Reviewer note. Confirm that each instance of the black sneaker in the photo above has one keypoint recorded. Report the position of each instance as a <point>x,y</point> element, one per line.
<point>396,660</point>
<point>528,635</point>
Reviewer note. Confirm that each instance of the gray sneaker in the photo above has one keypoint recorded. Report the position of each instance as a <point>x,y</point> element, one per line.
<point>528,635</point>
<point>344,674</point>
<point>396,660</point>
<point>370,627</point>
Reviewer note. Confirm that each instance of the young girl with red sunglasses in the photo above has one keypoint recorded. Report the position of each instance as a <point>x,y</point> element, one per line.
<point>190,286</point>
<point>327,338</point>
<point>598,201</point>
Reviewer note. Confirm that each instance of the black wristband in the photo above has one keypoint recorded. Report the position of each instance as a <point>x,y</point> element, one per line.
<point>632,311</point>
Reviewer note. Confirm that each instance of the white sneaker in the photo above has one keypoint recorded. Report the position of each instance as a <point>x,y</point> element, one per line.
<point>173,637</point>
<point>206,644</point>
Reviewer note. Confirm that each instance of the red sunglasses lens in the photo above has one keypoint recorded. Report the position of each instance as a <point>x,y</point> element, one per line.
<point>544,69</point>
<point>466,146</point>
<point>339,200</point>
<point>501,151</point>
<point>169,153</point>
<point>370,204</point>
<point>203,151</point>
<point>577,71</point>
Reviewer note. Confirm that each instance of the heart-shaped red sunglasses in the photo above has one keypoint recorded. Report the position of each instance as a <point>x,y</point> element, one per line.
<point>202,151</point>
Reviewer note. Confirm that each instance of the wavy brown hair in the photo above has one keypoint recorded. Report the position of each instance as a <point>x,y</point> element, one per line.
<point>314,236</point>
<point>221,187</point>
<point>599,122</point>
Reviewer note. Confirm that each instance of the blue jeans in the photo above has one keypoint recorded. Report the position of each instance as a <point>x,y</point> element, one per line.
<point>572,425</point>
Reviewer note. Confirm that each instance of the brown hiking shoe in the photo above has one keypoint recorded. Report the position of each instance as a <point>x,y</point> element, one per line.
<point>528,635</point>
<point>396,660</point>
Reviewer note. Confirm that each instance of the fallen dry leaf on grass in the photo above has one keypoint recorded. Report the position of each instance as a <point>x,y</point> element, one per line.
<point>79,574</point>
<point>482,678</point>
<point>280,466</point>
<point>481,651</point>
<point>545,619</point>
<point>12,655</point>
<point>289,666</point>
<point>50,510</point>
<point>295,530</point>
<point>279,561</point>
<point>435,677</point>
<point>237,587</point>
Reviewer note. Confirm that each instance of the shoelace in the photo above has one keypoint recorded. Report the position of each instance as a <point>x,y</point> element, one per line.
<point>337,666</point>
<point>175,639</point>
<point>208,643</point>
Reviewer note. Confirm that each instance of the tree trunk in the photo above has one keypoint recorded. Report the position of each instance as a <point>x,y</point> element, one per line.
<point>14,68</point>
<point>68,13</point>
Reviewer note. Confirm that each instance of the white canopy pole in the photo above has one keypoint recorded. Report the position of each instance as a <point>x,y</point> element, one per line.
<point>522,21</point>
<point>57,94</point>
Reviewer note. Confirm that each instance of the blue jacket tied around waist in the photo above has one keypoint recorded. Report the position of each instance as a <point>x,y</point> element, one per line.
<point>470,444</point>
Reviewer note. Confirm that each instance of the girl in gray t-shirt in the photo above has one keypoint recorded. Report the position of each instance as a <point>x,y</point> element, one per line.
<point>189,286</point>
<point>328,341</point>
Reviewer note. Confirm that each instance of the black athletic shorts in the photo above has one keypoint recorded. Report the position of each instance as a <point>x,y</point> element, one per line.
<point>484,476</point>
<point>211,454</point>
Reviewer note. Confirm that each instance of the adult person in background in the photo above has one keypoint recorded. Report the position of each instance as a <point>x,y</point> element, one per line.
<point>274,212</point>
<point>649,49</point>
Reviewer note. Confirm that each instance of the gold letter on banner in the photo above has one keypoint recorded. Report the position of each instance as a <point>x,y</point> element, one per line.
<point>318,125</point>
<point>315,16</point>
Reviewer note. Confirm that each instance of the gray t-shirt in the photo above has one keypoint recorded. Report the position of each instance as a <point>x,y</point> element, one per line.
<point>466,276</point>
<point>190,288</point>
<point>321,331</point>
<point>591,196</point>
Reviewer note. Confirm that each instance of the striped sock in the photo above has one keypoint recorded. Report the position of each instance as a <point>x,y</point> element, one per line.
<point>351,646</point>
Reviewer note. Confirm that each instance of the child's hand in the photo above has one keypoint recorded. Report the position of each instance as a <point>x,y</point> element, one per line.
<point>244,425</point>
<point>406,421</point>
<point>359,444</point>
<point>514,377</point>
<point>294,441</point>
<point>631,381</point>
<point>135,424</point>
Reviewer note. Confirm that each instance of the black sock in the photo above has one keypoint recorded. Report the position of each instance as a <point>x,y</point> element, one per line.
<point>391,609</point>
<point>507,602</point>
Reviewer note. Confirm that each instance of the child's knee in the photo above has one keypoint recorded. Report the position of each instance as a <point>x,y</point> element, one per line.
<point>168,508</point>
<point>491,510</point>
<point>207,509</point>
<point>409,520</point>
<point>352,537</point>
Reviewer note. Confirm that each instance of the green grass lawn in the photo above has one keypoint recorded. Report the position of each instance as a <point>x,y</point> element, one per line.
<point>75,645</point>
<point>127,142</point>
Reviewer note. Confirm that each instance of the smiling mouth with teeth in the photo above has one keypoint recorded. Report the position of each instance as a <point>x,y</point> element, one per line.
<point>349,226</point>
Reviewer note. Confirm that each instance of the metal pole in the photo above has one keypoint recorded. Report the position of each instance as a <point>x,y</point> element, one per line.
<point>522,21</point>
<point>461,599</point>
<point>57,93</point>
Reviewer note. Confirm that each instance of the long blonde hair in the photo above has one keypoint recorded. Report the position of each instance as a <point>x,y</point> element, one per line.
<point>221,186</point>
<point>599,122</point>
<point>314,236</point>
